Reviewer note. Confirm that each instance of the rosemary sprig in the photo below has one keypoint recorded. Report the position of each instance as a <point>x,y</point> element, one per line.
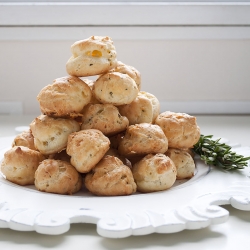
<point>212,152</point>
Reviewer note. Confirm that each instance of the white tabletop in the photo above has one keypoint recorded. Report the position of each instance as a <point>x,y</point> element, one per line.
<point>233,234</point>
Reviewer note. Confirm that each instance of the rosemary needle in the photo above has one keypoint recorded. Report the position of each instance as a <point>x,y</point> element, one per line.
<point>212,152</point>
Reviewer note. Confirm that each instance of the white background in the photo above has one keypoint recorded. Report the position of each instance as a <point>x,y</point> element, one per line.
<point>194,57</point>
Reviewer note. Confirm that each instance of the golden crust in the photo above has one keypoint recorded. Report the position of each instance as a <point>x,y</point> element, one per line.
<point>181,129</point>
<point>115,88</point>
<point>25,139</point>
<point>142,139</point>
<point>86,148</point>
<point>51,134</point>
<point>92,56</point>
<point>20,163</point>
<point>129,70</point>
<point>104,117</point>
<point>56,176</point>
<point>154,101</point>
<point>65,97</point>
<point>190,151</point>
<point>110,177</point>
<point>183,161</point>
<point>155,172</point>
<point>138,111</point>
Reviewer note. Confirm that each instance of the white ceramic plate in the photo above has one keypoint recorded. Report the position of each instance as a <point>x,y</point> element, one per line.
<point>189,204</point>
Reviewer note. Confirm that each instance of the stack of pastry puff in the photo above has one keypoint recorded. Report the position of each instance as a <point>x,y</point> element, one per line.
<point>105,135</point>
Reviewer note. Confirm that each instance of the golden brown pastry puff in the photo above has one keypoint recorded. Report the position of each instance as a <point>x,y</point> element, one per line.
<point>56,176</point>
<point>19,165</point>
<point>155,102</point>
<point>155,172</point>
<point>92,56</point>
<point>25,139</point>
<point>142,139</point>
<point>65,97</point>
<point>115,88</point>
<point>181,129</point>
<point>138,111</point>
<point>86,148</point>
<point>183,161</point>
<point>105,117</point>
<point>51,134</point>
<point>110,177</point>
<point>129,70</point>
